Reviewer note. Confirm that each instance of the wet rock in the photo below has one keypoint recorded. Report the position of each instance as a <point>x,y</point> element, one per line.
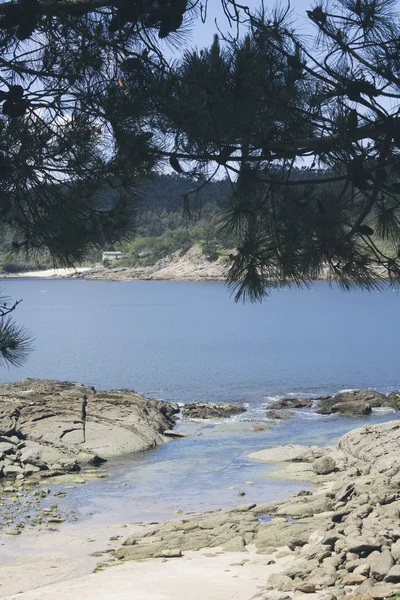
<point>351,408</point>
<point>279,415</point>
<point>174,434</point>
<point>291,403</point>
<point>356,402</point>
<point>96,461</point>
<point>210,410</point>
<point>393,400</point>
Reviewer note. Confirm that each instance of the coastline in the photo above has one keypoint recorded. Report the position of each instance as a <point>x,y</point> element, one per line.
<point>188,266</point>
<point>179,266</point>
<point>339,541</point>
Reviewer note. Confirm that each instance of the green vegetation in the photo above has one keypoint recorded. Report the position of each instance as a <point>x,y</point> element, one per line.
<point>161,228</point>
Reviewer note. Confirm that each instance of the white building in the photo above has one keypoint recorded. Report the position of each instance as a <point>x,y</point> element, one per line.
<point>111,256</point>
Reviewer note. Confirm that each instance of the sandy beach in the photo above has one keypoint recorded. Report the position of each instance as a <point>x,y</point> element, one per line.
<point>60,272</point>
<point>205,574</point>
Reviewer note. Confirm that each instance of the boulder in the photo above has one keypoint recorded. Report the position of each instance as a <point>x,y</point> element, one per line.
<point>305,586</point>
<point>382,590</point>
<point>362,546</point>
<point>291,403</point>
<point>281,583</point>
<point>322,578</point>
<point>12,470</point>
<point>210,410</point>
<point>273,595</point>
<point>355,408</point>
<point>375,445</point>
<point>362,570</point>
<point>236,544</point>
<point>395,551</point>
<point>393,400</point>
<point>394,575</point>
<point>380,564</point>
<point>324,465</point>
<point>355,402</point>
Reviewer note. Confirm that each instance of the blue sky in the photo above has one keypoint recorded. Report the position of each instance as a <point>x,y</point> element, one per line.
<point>202,33</point>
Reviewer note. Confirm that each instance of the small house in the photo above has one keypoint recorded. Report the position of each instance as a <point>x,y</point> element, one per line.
<point>107,256</point>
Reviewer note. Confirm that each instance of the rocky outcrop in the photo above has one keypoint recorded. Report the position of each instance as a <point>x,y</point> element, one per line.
<point>190,265</point>
<point>210,410</point>
<point>50,427</point>
<point>357,402</point>
<point>355,548</point>
<point>375,445</point>
<point>284,403</point>
<point>353,403</point>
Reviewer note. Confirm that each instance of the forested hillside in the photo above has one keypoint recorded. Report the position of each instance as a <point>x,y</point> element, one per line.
<point>162,225</point>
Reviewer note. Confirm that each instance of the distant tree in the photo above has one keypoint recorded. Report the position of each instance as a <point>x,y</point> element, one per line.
<point>90,105</point>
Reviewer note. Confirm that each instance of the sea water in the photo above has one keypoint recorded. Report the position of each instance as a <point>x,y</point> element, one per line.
<point>188,341</point>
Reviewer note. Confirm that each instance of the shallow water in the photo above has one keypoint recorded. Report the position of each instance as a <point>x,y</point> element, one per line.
<point>188,341</point>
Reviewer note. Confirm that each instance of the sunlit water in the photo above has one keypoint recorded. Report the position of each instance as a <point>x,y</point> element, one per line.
<point>188,341</point>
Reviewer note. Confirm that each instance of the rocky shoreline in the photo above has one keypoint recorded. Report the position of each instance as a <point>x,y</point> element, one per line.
<point>344,539</point>
<point>349,403</point>
<point>340,541</point>
<point>62,432</point>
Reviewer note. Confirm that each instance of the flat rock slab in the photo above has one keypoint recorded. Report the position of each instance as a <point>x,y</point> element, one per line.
<point>210,410</point>
<point>57,424</point>
<point>287,453</point>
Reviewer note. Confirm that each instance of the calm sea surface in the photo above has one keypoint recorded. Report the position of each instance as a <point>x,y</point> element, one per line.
<point>187,341</point>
